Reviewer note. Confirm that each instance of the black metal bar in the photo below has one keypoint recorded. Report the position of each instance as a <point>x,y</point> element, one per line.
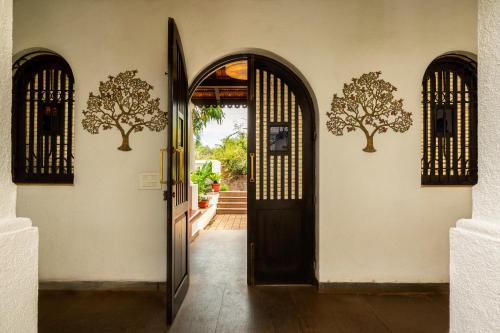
<point>455,129</point>
<point>432,158</point>
<point>39,159</point>
<point>268,150</point>
<point>440,139</point>
<point>261,132</point>
<point>425,162</point>
<point>53,135</point>
<point>297,129</point>
<point>69,156</point>
<point>31,152</point>
<point>446,108</point>
<point>275,117</point>
<point>64,110</point>
<point>282,111</point>
<point>291,131</point>
<point>463,134</point>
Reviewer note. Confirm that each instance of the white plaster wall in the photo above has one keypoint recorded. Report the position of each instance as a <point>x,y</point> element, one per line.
<point>7,188</point>
<point>475,243</point>
<point>376,223</point>
<point>487,192</point>
<point>18,276</point>
<point>474,271</point>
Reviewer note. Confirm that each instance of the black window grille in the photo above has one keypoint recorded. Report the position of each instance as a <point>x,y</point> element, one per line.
<point>449,143</point>
<point>42,119</point>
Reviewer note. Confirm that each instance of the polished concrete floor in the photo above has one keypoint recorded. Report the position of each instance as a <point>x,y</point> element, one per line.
<point>220,301</point>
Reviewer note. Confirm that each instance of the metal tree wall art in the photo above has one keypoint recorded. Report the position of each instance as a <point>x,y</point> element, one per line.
<point>124,103</point>
<point>368,104</point>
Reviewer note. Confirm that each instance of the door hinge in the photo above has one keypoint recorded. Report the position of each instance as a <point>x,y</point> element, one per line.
<point>165,195</point>
<point>315,136</point>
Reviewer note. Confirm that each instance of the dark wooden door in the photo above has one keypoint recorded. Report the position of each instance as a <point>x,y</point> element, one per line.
<point>280,177</point>
<point>177,176</point>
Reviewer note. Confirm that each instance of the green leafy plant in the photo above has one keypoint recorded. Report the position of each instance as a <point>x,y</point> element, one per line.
<point>214,177</point>
<point>224,187</point>
<point>202,116</point>
<point>200,176</point>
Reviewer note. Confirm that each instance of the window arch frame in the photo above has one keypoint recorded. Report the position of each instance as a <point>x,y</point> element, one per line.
<point>449,92</point>
<point>54,130</point>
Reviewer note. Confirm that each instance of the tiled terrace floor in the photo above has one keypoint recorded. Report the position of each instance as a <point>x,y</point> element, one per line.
<point>228,222</point>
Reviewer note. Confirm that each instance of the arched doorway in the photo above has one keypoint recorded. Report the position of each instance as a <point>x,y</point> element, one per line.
<point>280,180</point>
<point>281,170</point>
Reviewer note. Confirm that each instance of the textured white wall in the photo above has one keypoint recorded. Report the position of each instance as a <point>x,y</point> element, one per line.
<point>475,244</point>
<point>7,188</point>
<point>18,276</point>
<point>376,223</point>
<point>486,195</point>
<point>474,273</point>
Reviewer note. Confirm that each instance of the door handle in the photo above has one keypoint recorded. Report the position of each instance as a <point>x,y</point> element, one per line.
<point>252,167</point>
<point>162,157</point>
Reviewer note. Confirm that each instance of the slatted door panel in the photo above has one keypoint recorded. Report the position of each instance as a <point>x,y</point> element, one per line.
<point>282,221</point>
<point>278,118</point>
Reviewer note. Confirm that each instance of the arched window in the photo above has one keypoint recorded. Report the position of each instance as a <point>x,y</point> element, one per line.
<point>449,144</point>
<point>42,119</point>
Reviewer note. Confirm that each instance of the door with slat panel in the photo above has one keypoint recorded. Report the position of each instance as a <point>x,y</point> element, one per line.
<point>281,176</point>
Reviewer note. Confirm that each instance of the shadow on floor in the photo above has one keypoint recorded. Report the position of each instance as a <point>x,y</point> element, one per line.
<point>220,301</point>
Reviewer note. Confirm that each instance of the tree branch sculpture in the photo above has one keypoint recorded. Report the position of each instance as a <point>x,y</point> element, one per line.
<point>368,104</point>
<point>124,102</point>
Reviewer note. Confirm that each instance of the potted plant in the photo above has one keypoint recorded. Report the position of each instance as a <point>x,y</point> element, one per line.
<point>215,178</point>
<point>203,201</point>
<point>200,177</point>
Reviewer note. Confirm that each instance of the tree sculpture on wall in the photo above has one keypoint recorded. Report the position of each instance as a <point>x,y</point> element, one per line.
<point>368,104</point>
<point>124,102</point>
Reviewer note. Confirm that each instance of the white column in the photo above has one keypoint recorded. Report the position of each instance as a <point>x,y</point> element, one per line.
<point>475,243</point>
<point>486,194</point>
<point>7,188</point>
<point>18,239</point>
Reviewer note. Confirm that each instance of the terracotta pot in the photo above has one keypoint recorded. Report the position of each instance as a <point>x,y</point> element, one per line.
<point>203,203</point>
<point>216,187</point>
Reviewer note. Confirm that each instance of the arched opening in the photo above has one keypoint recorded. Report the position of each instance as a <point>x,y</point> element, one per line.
<point>281,162</point>
<point>449,103</point>
<point>42,118</point>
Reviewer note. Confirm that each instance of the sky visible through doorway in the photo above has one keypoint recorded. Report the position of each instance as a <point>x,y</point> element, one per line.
<point>213,134</point>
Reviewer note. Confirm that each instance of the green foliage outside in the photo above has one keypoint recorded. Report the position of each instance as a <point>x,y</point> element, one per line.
<point>203,177</point>
<point>232,153</point>
<point>202,116</point>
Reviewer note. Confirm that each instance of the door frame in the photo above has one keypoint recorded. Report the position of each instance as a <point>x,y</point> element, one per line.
<point>308,101</point>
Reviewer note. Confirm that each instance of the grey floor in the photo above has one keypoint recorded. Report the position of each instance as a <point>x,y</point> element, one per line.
<point>219,300</point>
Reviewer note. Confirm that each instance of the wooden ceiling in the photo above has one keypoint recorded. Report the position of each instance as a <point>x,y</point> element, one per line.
<point>221,89</point>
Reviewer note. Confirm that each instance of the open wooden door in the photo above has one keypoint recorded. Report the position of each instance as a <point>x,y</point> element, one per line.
<point>176,194</point>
